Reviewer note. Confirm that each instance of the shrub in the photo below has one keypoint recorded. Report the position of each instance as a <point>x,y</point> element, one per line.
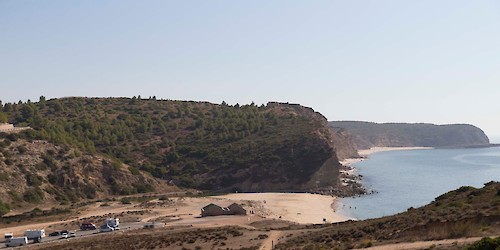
<point>4,208</point>
<point>485,244</point>
<point>126,201</point>
<point>33,180</point>
<point>134,170</point>
<point>22,149</point>
<point>33,195</point>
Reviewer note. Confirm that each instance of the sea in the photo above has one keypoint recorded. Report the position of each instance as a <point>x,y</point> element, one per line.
<point>413,178</point>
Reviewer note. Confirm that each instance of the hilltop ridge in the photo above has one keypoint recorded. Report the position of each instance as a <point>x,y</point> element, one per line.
<point>370,134</point>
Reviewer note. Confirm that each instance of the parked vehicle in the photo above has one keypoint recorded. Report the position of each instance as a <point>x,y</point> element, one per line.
<point>105,228</point>
<point>64,231</point>
<point>17,241</point>
<point>72,234</point>
<point>113,222</point>
<point>87,226</point>
<point>8,236</point>
<point>35,235</point>
<point>56,233</point>
<point>64,236</point>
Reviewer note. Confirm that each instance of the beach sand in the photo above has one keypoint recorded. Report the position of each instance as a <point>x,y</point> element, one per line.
<point>301,208</point>
<point>364,153</point>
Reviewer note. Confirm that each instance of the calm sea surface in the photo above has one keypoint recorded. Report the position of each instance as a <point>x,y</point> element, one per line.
<point>414,178</point>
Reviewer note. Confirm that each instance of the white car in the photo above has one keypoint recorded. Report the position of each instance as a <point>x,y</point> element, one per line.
<point>105,228</point>
<point>64,236</point>
<point>72,235</point>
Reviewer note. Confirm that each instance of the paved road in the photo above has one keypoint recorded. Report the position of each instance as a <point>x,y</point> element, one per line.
<point>89,233</point>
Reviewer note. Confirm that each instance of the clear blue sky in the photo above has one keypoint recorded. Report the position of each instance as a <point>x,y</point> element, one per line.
<point>384,61</point>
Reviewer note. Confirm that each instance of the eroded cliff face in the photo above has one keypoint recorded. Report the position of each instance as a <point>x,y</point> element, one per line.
<point>368,134</point>
<point>306,159</point>
<point>343,143</point>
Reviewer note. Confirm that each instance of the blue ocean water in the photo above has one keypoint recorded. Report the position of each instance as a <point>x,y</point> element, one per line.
<point>413,178</point>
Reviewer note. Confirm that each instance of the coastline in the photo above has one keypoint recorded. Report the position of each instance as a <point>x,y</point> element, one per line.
<point>365,153</point>
<point>348,172</point>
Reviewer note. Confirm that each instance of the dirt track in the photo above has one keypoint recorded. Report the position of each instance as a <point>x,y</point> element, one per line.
<point>425,244</point>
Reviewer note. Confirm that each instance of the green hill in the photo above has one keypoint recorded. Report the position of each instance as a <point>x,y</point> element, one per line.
<point>193,144</point>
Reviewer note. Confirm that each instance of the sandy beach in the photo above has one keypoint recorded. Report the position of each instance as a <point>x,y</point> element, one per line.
<point>364,153</point>
<point>301,208</point>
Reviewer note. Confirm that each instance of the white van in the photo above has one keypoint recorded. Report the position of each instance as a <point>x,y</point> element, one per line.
<point>17,241</point>
<point>8,236</point>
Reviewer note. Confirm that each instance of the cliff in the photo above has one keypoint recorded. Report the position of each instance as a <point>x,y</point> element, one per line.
<point>368,134</point>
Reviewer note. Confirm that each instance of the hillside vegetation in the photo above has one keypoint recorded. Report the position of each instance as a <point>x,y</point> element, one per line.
<point>465,212</point>
<point>32,173</point>
<point>192,144</point>
<point>369,134</point>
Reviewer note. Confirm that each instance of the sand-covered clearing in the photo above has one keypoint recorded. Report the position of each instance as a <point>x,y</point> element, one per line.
<point>294,207</point>
<point>301,208</point>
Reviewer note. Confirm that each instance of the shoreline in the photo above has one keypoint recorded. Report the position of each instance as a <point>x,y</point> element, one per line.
<point>365,153</point>
<point>348,172</point>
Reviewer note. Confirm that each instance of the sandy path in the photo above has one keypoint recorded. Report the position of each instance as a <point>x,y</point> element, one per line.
<point>271,241</point>
<point>425,244</point>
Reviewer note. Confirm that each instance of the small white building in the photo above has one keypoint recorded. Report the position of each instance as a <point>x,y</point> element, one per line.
<point>6,126</point>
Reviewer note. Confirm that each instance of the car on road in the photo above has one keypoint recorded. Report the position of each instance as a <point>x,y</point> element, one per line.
<point>105,228</point>
<point>64,236</point>
<point>56,233</point>
<point>72,234</point>
<point>87,226</point>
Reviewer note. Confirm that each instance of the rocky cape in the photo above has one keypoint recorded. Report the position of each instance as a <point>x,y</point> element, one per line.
<point>366,135</point>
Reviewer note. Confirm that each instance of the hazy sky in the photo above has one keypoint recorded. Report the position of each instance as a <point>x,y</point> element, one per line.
<point>405,61</point>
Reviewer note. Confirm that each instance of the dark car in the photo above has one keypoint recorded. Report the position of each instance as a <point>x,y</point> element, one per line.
<point>56,233</point>
<point>88,226</point>
<point>64,232</point>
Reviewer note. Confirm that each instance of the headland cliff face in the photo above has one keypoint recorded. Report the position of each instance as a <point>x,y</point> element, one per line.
<point>369,134</point>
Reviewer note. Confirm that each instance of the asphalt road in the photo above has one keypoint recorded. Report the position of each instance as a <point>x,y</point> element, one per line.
<point>87,233</point>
